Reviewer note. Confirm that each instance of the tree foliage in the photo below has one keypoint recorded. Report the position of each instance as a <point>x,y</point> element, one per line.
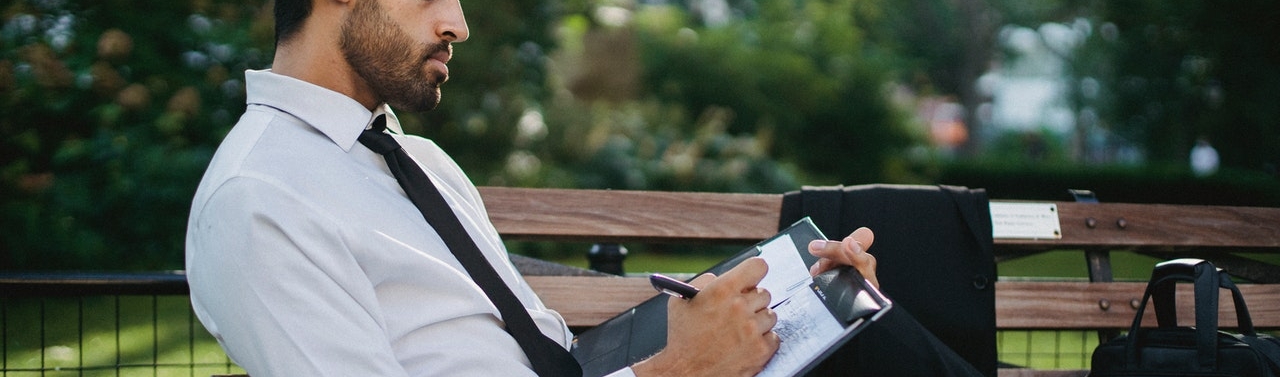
<point>110,110</point>
<point>1187,69</point>
<point>799,72</point>
<point>109,118</point>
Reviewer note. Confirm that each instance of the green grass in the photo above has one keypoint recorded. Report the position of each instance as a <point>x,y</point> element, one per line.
<point>167,347</point>
<point>89,337</point>
<point>1046,349</point>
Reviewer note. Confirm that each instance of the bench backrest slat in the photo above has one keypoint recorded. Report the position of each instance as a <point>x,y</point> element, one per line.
<point>683,217</point>
<point>631,216</point>
<point>575,215</point>
<point>1162,227</point>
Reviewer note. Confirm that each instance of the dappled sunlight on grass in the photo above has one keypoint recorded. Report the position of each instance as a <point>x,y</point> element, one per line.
<point>1046,349</point>
<point>156,337</point>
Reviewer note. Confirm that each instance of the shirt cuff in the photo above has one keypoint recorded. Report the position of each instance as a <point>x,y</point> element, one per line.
<point>624,372</point>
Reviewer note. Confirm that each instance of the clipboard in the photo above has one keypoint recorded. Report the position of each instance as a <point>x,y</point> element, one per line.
<point>850,302</point>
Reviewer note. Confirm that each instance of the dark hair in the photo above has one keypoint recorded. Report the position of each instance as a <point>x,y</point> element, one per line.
<point>289,17</point>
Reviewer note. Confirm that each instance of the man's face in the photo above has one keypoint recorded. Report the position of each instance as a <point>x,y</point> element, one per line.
<point>401,70</point>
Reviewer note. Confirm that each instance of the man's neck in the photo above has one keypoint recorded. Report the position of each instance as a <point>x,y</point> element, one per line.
<point>317,58</point>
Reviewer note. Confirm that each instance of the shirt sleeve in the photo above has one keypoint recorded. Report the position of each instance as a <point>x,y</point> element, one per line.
<point>271,279</point>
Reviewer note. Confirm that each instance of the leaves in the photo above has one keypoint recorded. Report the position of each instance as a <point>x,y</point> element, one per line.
<point>106,127</point>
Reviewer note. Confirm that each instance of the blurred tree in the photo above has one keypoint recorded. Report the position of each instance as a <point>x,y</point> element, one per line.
<point>800,72</point>
<point>111,109</point>
<point>499,74</point>
<point>109,117</point>
<point>107,121</point>
<point>943,47</point>
<point>111,114</point>
<point>1186,69</point>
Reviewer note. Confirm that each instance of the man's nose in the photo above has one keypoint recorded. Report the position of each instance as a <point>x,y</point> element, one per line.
<point>454,26</point>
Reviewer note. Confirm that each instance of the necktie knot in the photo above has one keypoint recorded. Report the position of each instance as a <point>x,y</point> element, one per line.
<point>380,142</point>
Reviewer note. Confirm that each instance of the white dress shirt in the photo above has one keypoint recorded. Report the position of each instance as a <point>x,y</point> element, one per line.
<point>305,257</point>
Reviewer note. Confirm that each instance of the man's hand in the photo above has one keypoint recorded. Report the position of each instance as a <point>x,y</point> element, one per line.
<point>726,330</point>
<point>852,251</point>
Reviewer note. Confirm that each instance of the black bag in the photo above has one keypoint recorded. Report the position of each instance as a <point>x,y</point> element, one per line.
<point>1169,350</point>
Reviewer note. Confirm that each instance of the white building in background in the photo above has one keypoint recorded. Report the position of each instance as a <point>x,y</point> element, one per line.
<point>1031,90</point>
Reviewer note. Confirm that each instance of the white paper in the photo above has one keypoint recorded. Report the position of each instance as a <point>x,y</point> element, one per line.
<point>805,325</point>
<point>806,329</point>
<point>787,272</point>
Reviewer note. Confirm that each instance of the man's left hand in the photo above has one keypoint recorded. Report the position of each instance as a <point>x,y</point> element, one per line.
<point>851,251</point>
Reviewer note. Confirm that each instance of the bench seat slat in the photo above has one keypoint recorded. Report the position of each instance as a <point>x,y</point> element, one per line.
<point>1075,305</point>
<point>587,301</point>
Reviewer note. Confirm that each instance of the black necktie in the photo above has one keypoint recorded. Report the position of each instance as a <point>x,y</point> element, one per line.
<point>548,357</point>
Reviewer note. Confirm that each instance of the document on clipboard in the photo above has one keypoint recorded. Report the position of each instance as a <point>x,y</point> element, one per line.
<point>816,315</point>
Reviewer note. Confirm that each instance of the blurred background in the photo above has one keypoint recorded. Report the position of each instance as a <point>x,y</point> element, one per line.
<point>111,109</point>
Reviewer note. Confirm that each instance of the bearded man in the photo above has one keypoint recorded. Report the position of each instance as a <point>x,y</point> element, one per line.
<point>307,257</point>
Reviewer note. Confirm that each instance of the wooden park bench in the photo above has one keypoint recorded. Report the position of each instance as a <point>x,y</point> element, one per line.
<point>1214,233</point>
<point>586,298</point>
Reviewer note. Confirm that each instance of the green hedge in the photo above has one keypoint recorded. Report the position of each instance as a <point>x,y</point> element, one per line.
<point>1169,185</point>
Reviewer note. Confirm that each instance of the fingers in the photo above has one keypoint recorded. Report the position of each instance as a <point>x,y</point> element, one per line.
<point>730,310</point>
<point>852,251</point>
<point>741,282</point>
<point>765,319</point>
<point>758,299</point>
<point>772,341</point>
<point>864,236</point>
<point>743,277</point>
<point>702,280</point>
<point>846,250</point>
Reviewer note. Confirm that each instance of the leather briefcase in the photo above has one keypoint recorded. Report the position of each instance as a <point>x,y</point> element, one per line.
<point>1203,350</point>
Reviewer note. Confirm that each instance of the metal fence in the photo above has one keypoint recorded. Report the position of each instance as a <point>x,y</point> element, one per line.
<point>103,325</point>
<point>128,324</point>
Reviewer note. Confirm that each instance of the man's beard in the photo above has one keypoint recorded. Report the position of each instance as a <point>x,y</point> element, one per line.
<point>385,57</point>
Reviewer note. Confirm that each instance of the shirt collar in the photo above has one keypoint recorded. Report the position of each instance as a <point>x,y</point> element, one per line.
<point>334,114</point>
<point>393,122</point>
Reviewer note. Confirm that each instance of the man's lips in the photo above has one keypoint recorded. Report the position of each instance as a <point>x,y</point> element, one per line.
<point>440,60</point>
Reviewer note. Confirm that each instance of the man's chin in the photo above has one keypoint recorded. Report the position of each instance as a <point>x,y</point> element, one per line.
<point>419,106</point>
<point>416,108</point>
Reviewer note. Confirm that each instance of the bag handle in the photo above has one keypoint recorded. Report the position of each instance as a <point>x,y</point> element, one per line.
<point>1165,302</point>
<point>1207,279</point>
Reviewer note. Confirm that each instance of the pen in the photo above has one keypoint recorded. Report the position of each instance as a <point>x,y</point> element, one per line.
<point>668,285</point>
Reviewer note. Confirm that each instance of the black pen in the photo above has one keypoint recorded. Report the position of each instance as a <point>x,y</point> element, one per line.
<point>668,285</point>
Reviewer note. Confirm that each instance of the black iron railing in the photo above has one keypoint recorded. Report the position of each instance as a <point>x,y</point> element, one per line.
<point>103,324</point>
<point>141,324</point>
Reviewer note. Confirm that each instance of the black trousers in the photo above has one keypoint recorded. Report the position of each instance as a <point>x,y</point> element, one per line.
<point>896,345</point>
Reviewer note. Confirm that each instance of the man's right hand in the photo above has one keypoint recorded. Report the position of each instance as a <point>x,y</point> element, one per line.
<point>726,330</point>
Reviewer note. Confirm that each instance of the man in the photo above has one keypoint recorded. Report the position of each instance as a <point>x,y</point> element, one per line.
<point>306,258</point>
